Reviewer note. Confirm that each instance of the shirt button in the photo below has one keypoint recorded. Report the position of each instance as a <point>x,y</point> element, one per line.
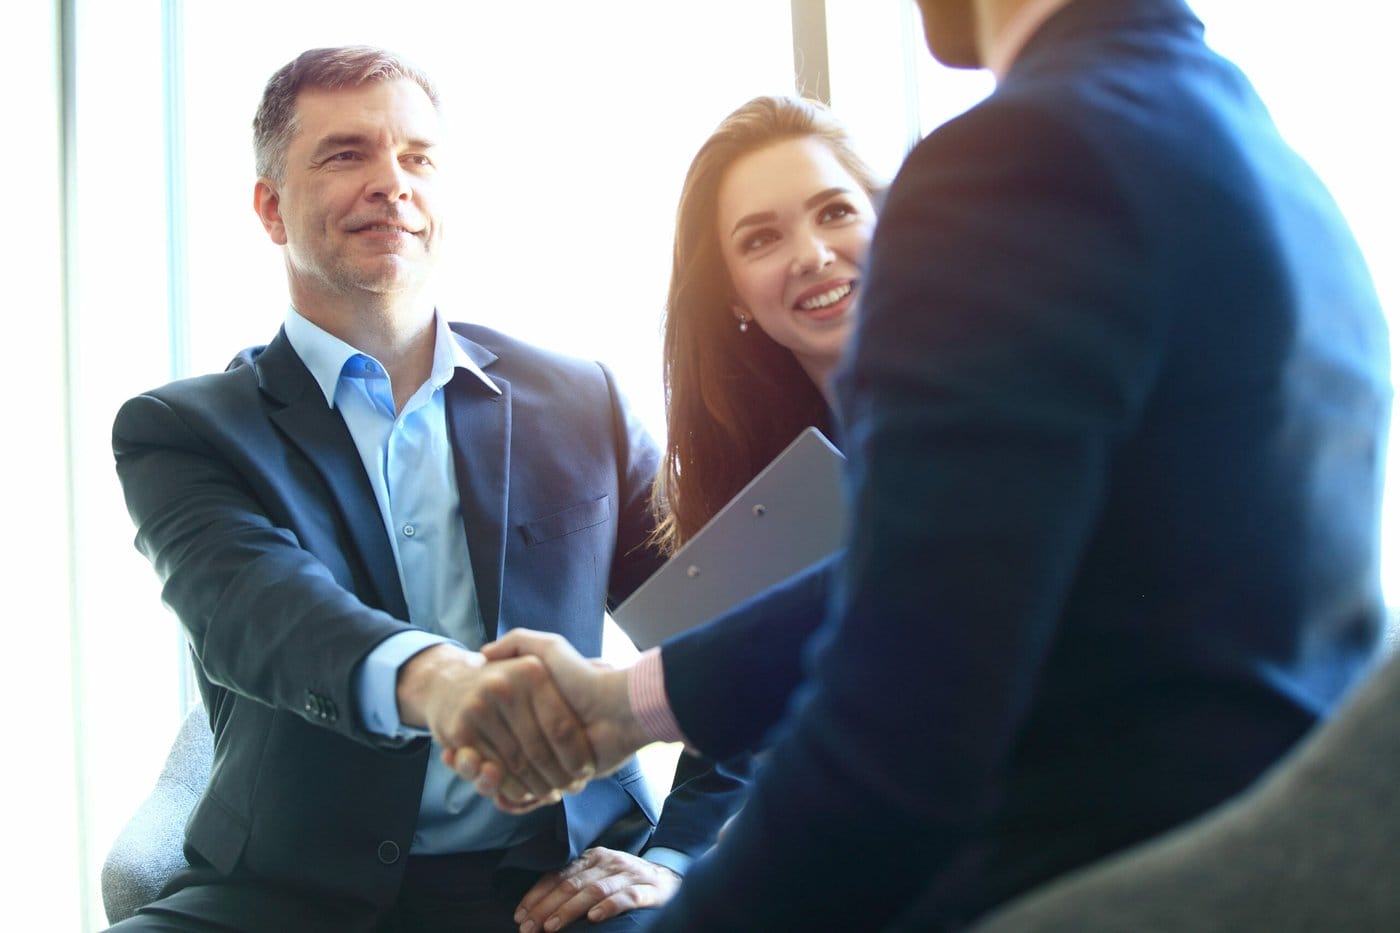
<point>369,367</point>
<point>409,531</point>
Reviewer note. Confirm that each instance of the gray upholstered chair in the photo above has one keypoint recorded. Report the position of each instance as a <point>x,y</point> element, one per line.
<point>1314,845</point>
<point>150,848</point>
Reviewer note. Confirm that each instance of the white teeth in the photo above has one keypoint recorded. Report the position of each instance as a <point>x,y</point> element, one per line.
<point>826,299</point>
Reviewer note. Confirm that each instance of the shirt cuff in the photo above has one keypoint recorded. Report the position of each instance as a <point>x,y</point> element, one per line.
<point>376,682</point>
<point>646,692</point>
<point>673,859</point>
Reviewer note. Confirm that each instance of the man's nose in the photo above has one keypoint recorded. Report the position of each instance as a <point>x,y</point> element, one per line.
<point>389,181</point>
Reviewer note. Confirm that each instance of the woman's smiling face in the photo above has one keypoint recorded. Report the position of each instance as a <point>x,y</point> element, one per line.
<point>794,229</point>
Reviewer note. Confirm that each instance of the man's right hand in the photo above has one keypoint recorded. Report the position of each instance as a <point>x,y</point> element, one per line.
<point>596,691</point>
<point>510,710</point>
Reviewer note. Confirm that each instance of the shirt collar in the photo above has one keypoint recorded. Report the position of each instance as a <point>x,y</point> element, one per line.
<point>325,355</point>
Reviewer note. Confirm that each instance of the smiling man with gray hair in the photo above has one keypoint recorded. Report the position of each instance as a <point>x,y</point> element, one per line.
<point>340,520</point>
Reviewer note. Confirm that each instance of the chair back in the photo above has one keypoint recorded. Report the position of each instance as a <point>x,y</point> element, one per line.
<point>151,846</point>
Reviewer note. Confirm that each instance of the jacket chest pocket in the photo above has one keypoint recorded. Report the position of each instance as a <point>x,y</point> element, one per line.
<point>566,522</point>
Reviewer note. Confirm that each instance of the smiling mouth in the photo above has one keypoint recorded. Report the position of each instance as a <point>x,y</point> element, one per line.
<point>825,299</point>
<point>384,228</point>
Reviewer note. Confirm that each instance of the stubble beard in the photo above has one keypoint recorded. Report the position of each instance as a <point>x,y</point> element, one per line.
<point>382,281</point>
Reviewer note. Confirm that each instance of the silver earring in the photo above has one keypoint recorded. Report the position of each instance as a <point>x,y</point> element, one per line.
<point>743,324</point>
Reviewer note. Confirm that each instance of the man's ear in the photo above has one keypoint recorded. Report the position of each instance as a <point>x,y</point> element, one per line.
<point>268,205</point>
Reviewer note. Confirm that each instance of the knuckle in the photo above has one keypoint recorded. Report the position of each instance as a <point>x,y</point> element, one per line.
<point>474,707</point>
<point>604,887</point>
<point>608,858</point>
<point>537,750</point>
<point>453,734</point>
<point>562,732</point>
<point>498,687</point>
<point>532,670</point>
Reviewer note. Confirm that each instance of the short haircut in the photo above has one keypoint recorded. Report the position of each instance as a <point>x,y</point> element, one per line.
<point>275,123</point>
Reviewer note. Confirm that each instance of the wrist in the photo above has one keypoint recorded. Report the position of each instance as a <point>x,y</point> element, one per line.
<point>422,674</point>
<point>616,689</point>
<point>650,706</point>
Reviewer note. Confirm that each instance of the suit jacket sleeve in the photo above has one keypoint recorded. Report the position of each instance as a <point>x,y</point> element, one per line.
<point>729,682</point>
<point>264,616</point>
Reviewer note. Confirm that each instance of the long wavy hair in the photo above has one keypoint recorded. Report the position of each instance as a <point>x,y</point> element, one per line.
<point>734,399</point>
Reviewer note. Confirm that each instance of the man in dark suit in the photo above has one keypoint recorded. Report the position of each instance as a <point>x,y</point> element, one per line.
<point>342,515</point>
<point>1115,414</point>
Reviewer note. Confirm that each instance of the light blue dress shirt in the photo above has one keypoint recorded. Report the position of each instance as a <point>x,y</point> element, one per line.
<point>408,458</point>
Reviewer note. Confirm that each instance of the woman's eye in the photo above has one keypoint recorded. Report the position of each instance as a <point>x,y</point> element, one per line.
<point>836,211</point>
<point>758,241</point>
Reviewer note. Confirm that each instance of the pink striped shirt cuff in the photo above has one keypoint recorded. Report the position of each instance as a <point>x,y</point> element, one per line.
<point>646,691</point>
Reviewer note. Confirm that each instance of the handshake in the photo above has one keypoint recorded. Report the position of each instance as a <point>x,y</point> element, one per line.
<point>527,720</point>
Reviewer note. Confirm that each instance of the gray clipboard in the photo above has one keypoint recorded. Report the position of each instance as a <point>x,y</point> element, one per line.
<point>789,516</point>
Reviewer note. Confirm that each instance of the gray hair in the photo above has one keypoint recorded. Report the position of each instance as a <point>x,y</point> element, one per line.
<point>275,123</point>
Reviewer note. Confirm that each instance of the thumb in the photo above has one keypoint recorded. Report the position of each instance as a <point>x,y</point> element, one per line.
<point>517,642</point>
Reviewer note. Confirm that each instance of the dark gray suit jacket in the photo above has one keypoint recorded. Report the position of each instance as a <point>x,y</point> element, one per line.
<point>1115,416</point>
<point>250,500</point>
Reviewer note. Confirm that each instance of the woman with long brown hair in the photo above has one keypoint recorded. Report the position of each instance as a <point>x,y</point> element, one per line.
<point>774,221</point>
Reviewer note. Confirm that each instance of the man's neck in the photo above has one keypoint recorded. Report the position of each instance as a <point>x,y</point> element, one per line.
<point>1005,26</point>
<point>400,334</point>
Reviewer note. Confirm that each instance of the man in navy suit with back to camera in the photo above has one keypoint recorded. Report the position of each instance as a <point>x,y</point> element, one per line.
<point>342,516</point>
<point>1115,414</point>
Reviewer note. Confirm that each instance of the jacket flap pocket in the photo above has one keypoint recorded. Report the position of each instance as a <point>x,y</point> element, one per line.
<point>575,518</point>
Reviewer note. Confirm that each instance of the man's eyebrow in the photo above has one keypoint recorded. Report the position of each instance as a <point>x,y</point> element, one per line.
<point>765,217</point>
<point>338,141</point>
<point>356,140</point>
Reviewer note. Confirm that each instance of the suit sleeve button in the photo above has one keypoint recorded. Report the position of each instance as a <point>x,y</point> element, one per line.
<point>388,852</point>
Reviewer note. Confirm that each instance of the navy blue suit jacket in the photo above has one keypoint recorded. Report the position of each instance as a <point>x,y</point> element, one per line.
<point>1115,417</point>
<point>250,500</point>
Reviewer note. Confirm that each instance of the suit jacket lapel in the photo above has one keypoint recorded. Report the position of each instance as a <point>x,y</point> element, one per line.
<point>318,431</point>
<point>478,422</point>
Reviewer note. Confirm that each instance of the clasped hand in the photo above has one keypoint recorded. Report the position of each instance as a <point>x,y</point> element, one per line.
<point>526,721</point>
